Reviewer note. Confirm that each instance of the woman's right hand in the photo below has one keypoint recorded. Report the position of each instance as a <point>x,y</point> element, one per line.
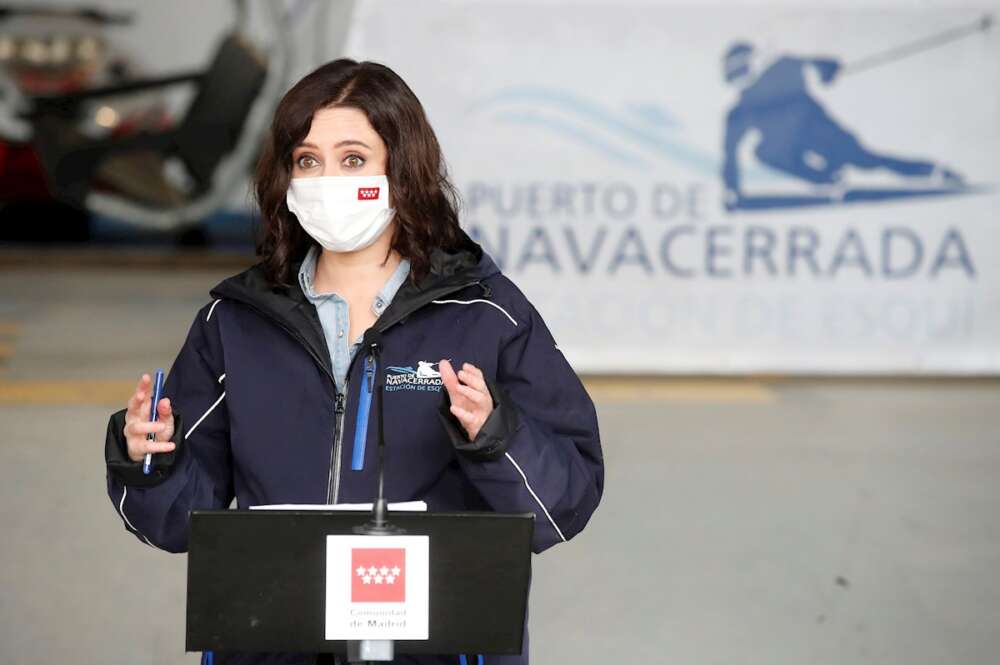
<point>138,426</point>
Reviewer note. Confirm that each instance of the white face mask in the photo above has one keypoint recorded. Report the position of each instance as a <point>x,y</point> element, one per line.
<point>342,213</point>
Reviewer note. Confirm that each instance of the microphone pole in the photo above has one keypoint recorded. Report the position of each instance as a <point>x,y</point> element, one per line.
<point>379,524</point>
<point>372,651</point>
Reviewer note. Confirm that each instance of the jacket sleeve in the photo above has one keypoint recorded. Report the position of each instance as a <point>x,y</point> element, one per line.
<point>198,473</point>
<point>539,451</point>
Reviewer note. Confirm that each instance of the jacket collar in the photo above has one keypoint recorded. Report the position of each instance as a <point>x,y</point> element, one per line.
<point>288,307</point>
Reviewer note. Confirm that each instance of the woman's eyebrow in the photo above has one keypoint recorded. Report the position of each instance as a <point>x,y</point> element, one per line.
<point>340,144</point>
<point>352,142</point>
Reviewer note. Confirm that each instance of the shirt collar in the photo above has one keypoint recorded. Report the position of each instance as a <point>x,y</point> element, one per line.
<point>392,285</point>
<point>307,273</point>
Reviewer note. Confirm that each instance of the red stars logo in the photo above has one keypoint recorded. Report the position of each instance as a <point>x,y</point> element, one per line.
<point>367,193</point>
<point>378,575</point>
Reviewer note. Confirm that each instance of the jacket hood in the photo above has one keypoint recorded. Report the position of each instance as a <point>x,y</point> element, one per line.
<point>287,306</point>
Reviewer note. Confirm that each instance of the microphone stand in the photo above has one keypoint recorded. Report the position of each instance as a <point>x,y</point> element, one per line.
<point>368,651</point>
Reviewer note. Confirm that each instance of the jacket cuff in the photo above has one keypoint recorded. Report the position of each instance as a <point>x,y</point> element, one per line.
<point>130,473</point>
<point>494,436</point>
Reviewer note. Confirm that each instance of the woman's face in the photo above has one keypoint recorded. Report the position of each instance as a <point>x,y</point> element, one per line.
<point>341,141</point>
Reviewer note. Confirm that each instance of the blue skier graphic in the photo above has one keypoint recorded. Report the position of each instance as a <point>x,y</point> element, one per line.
<point>798,137</point>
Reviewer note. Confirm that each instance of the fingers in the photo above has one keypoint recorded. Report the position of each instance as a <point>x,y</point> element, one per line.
<point>467,389</point>
<point>473,376</point>
<point>448,378</point>
<point>468,385</point>
<point>164,410</point>
<point>137,401</point>
<point>139,445</point>
<point>137,450</point>
<point>466,418</point>
<point>142,428</point>
<point>138,427</point>
<point>474,397</point>
<point>470,421</point>
<point>165,414</point>
<point>158,447</point>
<point>471,402</point>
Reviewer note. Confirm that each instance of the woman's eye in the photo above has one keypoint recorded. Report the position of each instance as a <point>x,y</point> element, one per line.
<point>354,162</point>
<point>306,162</point>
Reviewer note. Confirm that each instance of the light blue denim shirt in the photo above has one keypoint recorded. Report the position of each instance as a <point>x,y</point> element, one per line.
<point>333,313</point>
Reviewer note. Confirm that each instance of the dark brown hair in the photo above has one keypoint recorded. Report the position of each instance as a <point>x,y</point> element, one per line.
<point>425,201</point>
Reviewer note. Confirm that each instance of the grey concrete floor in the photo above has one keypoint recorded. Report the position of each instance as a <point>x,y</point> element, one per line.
<point>755,522</point>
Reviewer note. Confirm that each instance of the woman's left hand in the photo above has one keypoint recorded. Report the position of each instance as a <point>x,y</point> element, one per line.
<point>471,402</point>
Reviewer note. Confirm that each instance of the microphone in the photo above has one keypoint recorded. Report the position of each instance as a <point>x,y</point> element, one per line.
<point>379,525</point>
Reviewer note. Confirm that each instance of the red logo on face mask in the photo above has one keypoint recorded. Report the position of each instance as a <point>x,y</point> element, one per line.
<point>367,193</point>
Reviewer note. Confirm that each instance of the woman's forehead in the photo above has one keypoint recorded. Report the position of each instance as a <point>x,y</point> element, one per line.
<point>331,126</point>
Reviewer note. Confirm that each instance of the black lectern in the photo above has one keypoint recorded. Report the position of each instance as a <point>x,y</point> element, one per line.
<point>256,580</point>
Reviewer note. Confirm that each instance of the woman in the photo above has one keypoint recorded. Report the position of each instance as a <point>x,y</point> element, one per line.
<point>268,399</point>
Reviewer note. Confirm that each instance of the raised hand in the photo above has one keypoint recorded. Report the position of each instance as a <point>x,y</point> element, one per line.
<point>471,403</point>
<point>137,424</point>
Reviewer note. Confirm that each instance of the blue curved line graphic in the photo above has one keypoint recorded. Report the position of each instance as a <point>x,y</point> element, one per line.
<point>676,151</point>
<point>654,115</point>
<point>401,370</point>
<point>693,158</point>
<point>530,118</point>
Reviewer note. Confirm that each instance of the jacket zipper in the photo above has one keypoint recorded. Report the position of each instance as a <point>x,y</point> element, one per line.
<point>333,483</point>
<point>333,480</point>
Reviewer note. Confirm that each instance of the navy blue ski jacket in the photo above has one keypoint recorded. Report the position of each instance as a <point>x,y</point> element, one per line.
<point>258,416</point>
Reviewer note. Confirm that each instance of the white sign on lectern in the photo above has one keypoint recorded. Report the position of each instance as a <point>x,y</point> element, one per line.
<point>377,587</point>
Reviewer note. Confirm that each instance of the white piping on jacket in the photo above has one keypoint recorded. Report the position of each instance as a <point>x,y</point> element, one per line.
<point>121,511</point>
<point>212,309</point>
<point>205,415</point>
<point>121,504</point>
<point>469,302</point>
<point>539,501</point>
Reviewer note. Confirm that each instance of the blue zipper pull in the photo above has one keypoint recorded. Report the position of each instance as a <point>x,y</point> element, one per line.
<point>361,423</point>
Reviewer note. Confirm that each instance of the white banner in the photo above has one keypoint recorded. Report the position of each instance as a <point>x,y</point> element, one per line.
<point>709,189</point>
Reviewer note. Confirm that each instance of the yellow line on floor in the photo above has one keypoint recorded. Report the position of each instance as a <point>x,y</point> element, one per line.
<point>14,391</point>
<point>606,389</point>
<point>663,389</point>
